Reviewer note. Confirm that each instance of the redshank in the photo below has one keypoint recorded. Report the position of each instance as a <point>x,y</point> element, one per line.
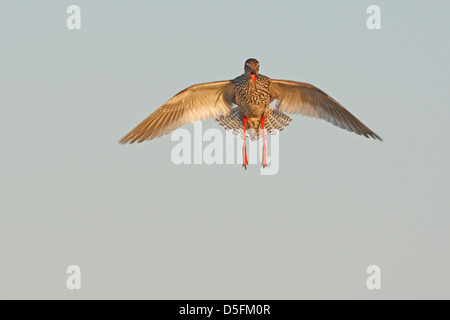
<point>253,116</point>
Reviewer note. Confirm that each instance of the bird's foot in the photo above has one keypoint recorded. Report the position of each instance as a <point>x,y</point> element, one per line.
<point>244,148</point>
<point>264,159</point>
<point>245,157</point>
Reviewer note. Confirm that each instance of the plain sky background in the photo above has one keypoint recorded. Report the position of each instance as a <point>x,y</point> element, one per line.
<point>141,227</point>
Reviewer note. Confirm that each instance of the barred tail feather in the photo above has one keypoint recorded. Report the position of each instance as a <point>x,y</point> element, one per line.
<point>274,121</point>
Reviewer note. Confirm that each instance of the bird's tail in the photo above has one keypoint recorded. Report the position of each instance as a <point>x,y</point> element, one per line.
<point>274,121</point>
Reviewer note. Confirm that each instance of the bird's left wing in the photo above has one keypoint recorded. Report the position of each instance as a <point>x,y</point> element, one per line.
<point>305,99</point>
<point>198,102</point>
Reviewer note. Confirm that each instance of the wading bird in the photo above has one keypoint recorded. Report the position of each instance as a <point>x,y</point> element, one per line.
<point>252,93</point>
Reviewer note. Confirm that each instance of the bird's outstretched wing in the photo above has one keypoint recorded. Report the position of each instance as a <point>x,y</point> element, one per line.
<point>198,102</point>
<point>297,97</point>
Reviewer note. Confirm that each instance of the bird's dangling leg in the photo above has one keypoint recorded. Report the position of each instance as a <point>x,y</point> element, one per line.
<point>244,148</point>
<point>264,160</point>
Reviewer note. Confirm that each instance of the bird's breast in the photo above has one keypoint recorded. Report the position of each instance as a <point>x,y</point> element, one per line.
<point>253,99</point>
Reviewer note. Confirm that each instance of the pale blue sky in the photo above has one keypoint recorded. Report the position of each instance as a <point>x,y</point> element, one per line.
<point>141,227</point>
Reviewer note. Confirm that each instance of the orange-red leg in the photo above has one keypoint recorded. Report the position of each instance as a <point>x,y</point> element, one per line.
<point>244,148</point>
<point>264,160</point>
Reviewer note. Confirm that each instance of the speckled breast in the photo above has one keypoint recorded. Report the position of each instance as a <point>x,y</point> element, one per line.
<point>252,100</point>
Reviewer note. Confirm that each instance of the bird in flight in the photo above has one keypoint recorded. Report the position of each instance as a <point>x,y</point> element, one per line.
<point>253,116</point>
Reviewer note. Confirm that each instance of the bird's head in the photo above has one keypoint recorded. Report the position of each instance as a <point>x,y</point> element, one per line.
<point>252,68</point>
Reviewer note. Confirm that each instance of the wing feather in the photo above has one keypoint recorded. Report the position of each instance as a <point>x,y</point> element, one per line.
<point>198,102</point>
<point>303,98</point>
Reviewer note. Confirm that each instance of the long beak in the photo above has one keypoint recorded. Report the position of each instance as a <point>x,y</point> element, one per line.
<point>254,75</point>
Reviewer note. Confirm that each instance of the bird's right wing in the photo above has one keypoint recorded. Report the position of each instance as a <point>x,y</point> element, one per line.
<point>198,102</point>
<point>304,98</point>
